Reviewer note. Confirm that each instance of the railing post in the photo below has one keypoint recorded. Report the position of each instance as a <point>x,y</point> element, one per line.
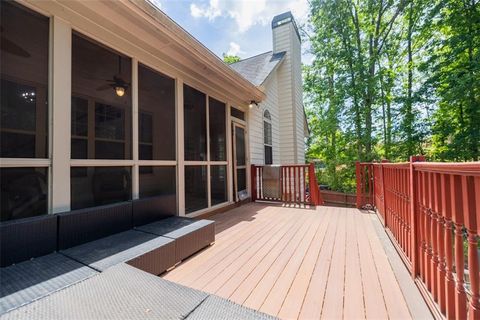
<point>384,206</point>
<point>253,175</point>
<point>413,215</point>
<point>359,181</point>
<point>312,182</point>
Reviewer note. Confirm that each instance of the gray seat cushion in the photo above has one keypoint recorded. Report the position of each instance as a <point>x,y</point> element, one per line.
<point>122,247</point>
<point>121,292</point>
<point>174,227</point>
<point>25,282</point>
<point>218,308</point>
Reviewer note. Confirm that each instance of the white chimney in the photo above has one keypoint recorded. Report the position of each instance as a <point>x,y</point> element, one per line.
<point>290,91</point>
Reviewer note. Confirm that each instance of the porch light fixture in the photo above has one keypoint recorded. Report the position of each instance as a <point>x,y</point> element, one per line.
<point>119,90</point>
<point>252,103</point>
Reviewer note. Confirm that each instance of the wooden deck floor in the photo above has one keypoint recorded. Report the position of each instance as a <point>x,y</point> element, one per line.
<point>302,263</point>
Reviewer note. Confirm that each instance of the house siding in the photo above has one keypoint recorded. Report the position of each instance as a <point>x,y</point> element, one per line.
<point>255,119</point>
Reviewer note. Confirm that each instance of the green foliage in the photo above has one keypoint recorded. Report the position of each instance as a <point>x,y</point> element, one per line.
<point>390,79</point>
<point>228,59</point>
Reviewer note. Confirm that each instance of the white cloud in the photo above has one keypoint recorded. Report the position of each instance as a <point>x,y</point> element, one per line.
<point>156,3</point>
<point>211,11</point>
<point>247,13</point>
<point>234,49</point>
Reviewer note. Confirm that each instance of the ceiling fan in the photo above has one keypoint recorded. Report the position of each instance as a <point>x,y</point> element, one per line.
<point>12,48</point>
<point>117,83</point>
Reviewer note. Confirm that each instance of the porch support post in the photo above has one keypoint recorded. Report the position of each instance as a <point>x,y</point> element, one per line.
<point>180,149</point>
<point>135,169</point>
<point>228,126</point>
<point>60,100</point>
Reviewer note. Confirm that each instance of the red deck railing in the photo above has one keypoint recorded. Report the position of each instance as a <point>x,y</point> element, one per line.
<point>298,185</point>
<point>432,212</point>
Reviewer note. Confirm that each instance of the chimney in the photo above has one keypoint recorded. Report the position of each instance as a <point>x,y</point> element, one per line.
<point>286,38</point>
<point>284,28</point>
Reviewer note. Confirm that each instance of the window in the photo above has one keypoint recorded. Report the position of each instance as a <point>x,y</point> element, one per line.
<point>96,186</point>
<point>156,96</point>
<point>205,168</point>
<point>267,137</point>
<point>79,143</point>
<point>234,112</point>
<point>24,51</point>
<point>109,132</point>
<point>195,124</point>
<point>101,102</point>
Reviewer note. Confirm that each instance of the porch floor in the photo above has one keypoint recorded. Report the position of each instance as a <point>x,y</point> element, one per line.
<point>305,263</point>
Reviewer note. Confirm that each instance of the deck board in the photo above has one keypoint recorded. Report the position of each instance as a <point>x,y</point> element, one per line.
<point>298,263</point>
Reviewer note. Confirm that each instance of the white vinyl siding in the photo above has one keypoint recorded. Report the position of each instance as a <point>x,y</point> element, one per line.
<point>255,119</point>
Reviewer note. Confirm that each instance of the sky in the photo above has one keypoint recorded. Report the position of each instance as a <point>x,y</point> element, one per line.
<point>234,27</point>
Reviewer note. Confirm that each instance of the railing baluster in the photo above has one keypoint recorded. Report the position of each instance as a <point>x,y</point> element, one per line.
<point>460,294</point>
<point>473,230</point>
<point>441,245</point>
<point>434,207</point>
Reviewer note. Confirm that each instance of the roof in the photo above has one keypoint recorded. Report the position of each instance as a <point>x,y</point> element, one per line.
<point>257,68</point>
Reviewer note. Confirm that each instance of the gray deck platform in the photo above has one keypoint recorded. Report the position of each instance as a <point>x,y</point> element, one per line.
<point>124,292</point>
<point>51,273</point>
<point>106,252</point>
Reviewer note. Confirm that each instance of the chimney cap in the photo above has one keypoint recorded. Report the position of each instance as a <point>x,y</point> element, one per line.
<point>284,18</point>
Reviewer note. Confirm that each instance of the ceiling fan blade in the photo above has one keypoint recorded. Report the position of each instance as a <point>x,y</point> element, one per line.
<point>104,87</point>
<point>12,48</point>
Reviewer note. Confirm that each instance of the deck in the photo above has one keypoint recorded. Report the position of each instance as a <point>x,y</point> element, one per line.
<point>304,264</point>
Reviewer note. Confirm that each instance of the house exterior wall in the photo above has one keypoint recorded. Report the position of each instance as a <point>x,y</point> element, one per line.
<point>290,94</point>
<point>255,120</point>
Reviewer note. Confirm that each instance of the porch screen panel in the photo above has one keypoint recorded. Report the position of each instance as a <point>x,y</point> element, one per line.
<point>96,186</point>
<point>24,192</point>
<point>240,146</point>
<point>98,73</point>
<point>195,124</point>
<point>195,188</point>
<point>218,134</point>
<point>24,82</point>
<point>159,181</point>
<point>218,184</point>
<point>24,55</point>
<point>156,96</point>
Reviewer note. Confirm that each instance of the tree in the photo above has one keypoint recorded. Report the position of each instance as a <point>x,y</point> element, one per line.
<point>229,59</point>
<point>391,79</point>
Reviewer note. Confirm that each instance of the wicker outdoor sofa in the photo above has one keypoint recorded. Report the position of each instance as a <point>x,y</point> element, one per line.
<point>43,255</point>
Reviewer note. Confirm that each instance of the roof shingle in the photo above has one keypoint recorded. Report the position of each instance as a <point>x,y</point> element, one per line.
<point>256,69</point>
